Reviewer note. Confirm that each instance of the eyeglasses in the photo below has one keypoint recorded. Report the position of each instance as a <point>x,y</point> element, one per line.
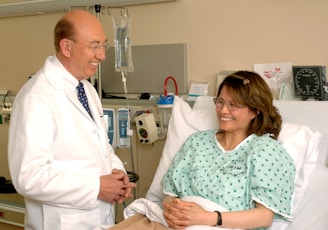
<point>94,46</point>
<point>231,106</point>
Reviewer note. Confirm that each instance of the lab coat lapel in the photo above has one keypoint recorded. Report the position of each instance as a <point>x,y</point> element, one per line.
<point>94,105</point>
<point>52,71</point>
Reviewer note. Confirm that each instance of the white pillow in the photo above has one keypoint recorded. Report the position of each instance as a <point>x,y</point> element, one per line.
<point>302,145</point>
<point>300,142</point>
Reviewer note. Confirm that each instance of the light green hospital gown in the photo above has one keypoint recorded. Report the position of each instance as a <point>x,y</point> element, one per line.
<point>258,169</point>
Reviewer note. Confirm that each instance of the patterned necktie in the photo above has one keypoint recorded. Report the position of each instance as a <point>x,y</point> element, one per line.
<point>83,98</point>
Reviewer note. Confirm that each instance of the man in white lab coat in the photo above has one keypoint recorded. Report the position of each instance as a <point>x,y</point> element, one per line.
<point>60,159</point>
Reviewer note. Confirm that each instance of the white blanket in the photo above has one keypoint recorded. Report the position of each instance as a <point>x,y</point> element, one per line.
<point>155,213</point>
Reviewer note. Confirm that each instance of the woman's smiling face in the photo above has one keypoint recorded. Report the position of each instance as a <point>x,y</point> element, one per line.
<point>235,119</point>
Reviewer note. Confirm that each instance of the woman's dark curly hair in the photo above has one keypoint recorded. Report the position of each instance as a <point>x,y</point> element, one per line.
<point>249,89</point>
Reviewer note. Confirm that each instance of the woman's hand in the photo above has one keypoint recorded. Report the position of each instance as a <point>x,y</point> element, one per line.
<point>176,213</point>
<point>181,214</point>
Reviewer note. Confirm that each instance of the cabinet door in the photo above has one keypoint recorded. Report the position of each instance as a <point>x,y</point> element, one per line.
<point>10,227</point>
<point>148,159</point>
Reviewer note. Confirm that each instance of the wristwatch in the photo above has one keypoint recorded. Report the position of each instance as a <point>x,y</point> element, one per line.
<point>219,222</point>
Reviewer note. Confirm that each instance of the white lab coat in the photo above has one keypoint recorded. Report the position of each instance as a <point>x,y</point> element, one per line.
<point>57,152</point>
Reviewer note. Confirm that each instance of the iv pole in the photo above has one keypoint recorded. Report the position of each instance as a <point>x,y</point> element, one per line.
<point>96,80</point>
<point>98,74</point>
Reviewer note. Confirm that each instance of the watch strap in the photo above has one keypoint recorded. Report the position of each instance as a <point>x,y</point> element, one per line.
<point>219,221</point>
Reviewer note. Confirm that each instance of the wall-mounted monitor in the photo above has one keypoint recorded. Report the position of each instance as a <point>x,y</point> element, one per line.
<point>152,65</point>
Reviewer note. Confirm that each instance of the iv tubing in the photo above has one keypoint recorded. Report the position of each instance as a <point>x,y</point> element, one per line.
<point>126,92</point>
<point>124,84</point>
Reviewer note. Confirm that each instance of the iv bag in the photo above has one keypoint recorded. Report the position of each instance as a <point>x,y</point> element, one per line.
<point>122,44</point>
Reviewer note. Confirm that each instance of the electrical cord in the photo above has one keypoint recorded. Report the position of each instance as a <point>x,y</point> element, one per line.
<point>4,100</point>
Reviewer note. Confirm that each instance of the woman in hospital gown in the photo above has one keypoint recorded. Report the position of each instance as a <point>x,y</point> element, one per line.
<point>241,166</point>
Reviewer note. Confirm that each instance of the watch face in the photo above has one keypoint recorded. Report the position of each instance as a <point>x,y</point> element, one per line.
<point>308,82</point>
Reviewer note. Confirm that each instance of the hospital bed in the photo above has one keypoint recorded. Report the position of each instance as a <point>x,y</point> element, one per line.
<point>304,135</point>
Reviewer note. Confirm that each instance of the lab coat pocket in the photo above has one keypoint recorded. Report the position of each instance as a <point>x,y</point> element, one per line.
<point>82,220</point>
